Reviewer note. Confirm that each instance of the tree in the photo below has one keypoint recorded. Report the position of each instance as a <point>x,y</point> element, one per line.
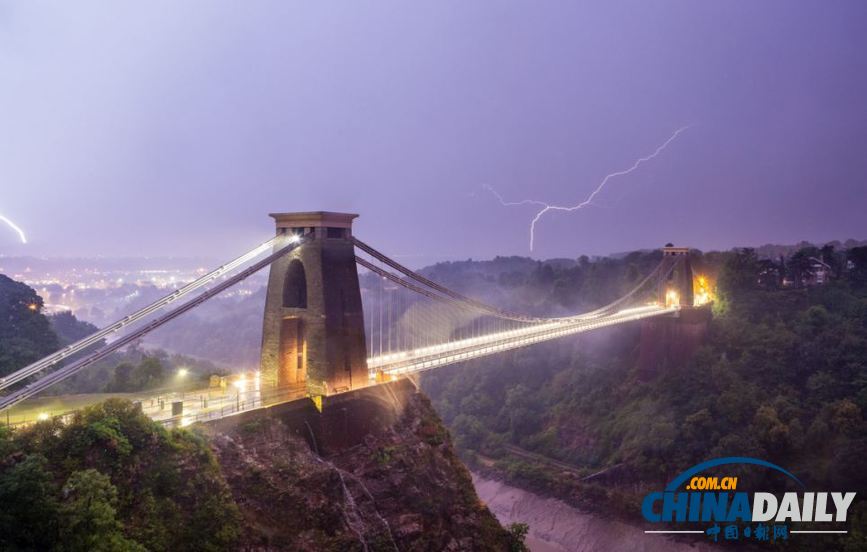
<point>122,380</point>
<point>88,515</point>
<point>858,257</point>
<point>25,333</point>
<point>70,329</point>
<point>29,513</point>
<point>517,535</point>
<point>800,264</point>
<point>830,257</point>
<point>739,275</point>
<point>149,373</point>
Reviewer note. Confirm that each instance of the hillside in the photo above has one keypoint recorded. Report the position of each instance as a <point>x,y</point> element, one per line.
<point>402,488</point>
<point>114,480</point>
<point>782,376</point>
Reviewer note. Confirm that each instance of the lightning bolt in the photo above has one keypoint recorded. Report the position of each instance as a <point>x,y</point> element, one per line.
<point>15,227</point>
<point>547,207</point>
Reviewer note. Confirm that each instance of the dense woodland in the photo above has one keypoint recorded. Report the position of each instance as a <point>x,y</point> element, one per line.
<point>782,376</point>
<point>112,480</point>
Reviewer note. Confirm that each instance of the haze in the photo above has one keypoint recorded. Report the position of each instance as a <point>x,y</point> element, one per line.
<point>166,128</point>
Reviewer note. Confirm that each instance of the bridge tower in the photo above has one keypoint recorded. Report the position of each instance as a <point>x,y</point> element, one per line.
<point>668,342</point>
<point>313,330</point>
<point>675,284</point>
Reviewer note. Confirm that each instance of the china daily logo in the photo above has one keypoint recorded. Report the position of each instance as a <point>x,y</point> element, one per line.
<point>735,514</point>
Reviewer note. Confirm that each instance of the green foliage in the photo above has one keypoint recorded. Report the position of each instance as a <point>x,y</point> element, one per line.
<point>147,374</point>
<point>119,481</point>
<point>782,376</point>
<point>88,515</point>
<point>518,533</point>
<point>69,329</point>
<point>28,517</point>
<point>25,333</point>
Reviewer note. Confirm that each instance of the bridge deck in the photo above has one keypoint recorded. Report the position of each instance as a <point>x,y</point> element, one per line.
<point>426,358</point>
<point>246,394</point>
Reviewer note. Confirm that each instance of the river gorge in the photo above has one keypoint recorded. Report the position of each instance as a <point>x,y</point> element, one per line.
<point>558,527</point>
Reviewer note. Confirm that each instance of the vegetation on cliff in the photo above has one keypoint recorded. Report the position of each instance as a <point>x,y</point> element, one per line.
<point>114,480</point>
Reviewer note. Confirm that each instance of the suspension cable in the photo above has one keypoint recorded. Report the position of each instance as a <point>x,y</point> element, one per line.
<point>97,336</point>
<point>410,286</point>
<point>67,371</point>
<point>442,289</point>
<point>499,313</point>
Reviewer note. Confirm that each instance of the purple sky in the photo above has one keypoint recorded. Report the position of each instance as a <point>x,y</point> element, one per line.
<point>173,128</point>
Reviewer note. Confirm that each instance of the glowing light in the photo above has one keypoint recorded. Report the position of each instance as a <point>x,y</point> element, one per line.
<point>241,382</point>
<point>703,294</point>
<point>672,298</point>
<point>14,227</point>
<point>43,416</point>
<point>182,372</point>
<point>33,306</point>
<point>546,207</point>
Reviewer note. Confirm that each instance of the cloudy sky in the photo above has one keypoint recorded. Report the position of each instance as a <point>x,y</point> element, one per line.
<point>173,128</point>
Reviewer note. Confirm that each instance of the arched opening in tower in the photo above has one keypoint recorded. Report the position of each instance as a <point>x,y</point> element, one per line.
<point>293,352</point>
<point>295,286</point>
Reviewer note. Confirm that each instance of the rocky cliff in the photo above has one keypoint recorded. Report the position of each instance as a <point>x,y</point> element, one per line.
<point>112,479</point>
<point>401,488</point>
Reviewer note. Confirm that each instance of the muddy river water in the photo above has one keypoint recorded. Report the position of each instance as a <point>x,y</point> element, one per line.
<point>558,527</point>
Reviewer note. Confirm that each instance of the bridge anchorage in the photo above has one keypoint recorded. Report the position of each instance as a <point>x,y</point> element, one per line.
<point>327,337</point>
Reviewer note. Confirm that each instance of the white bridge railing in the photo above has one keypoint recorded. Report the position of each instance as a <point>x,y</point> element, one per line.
<point>426,358</point>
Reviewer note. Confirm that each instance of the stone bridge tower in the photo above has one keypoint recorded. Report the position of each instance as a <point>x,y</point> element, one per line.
<point>668,342</point>
<point>313,329</point>
<point>676,277</point>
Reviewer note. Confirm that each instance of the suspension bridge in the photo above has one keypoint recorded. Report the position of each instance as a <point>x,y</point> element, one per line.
<point>324,335</point>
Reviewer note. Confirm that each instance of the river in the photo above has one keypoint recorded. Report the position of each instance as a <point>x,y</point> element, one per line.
<point>557,527</point>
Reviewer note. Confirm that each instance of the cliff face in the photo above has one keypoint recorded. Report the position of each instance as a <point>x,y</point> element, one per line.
<point>401,488</point>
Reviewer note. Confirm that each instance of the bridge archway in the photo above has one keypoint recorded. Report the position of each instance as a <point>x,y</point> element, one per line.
<point>313,328</point>
<point>293,352</point>
<point>295,286</point>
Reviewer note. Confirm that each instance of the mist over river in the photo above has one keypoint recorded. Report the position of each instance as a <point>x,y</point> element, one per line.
<point>557,527</point>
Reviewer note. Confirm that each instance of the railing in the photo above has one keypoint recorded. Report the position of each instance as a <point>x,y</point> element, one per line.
<point>159,407</point>
<point>513,339</point>
<point>235,405</point>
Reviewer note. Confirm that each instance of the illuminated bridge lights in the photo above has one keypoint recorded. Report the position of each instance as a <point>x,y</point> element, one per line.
<point>82,344</point>
<point>703,291</point>
<point>383,368</point>
<point>245,391</point>
<point>672,298</point>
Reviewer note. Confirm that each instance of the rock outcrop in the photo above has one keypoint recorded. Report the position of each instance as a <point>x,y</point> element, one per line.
<point>400,488</point>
